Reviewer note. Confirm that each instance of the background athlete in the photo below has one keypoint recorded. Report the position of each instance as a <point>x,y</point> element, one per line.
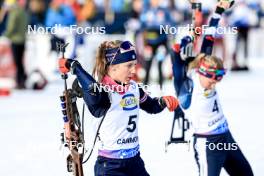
<point>214,146</point>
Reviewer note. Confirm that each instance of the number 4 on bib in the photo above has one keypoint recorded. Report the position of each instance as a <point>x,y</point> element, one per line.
<point>215,108</point>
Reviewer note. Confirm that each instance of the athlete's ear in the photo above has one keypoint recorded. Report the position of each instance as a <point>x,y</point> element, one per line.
<point>116,67</point>
<point>112,68</point>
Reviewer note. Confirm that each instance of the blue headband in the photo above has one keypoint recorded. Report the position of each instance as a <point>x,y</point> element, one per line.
<point>121,54</point>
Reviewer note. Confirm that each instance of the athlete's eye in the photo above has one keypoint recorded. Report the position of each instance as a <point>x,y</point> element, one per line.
<point>130,65</point>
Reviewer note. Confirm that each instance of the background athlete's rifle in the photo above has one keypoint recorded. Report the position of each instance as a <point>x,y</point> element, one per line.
<point>183,123</point>
<point>72,137</point>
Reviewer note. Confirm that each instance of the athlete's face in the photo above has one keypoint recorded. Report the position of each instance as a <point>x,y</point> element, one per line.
<point>155,3</point>
<point>124,72</point>
<point>207,83</point>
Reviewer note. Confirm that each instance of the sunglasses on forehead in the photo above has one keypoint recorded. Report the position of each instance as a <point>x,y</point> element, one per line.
<point>123,48</point>
<point>126,45</point>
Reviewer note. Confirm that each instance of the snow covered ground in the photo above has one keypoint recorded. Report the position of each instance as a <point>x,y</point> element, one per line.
<point>31,121</point>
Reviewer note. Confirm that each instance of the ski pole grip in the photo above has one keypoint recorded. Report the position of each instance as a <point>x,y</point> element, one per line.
<point>197,5</point>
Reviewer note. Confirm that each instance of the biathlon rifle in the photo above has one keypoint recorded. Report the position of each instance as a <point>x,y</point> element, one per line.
<point>183,123</point>
<point>72,137</point>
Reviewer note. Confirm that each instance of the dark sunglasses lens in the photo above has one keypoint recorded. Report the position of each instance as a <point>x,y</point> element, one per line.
<point>220,73</point>
<point>209,75</point>
<point>125,45</point>
<point>218,78</point>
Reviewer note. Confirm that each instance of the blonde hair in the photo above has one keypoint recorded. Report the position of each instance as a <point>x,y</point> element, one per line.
<point>211,61</point>
<point>100,67</point>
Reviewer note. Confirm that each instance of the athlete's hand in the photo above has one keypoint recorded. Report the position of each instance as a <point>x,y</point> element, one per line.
<point>65,65</point>
<point>170,102</point>
<point>225,4</point>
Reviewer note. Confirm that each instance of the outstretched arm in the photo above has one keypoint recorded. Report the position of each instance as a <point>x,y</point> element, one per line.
<point>148,104</point>
<point>208,41</point>
<point>180,57</point>
<point>156,105</point>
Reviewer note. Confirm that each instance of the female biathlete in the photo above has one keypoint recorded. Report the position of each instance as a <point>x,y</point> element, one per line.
<point>195,80</point>
<point>119,105</point>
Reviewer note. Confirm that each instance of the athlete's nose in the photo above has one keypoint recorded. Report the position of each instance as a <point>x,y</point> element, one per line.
<point>133,69</point>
